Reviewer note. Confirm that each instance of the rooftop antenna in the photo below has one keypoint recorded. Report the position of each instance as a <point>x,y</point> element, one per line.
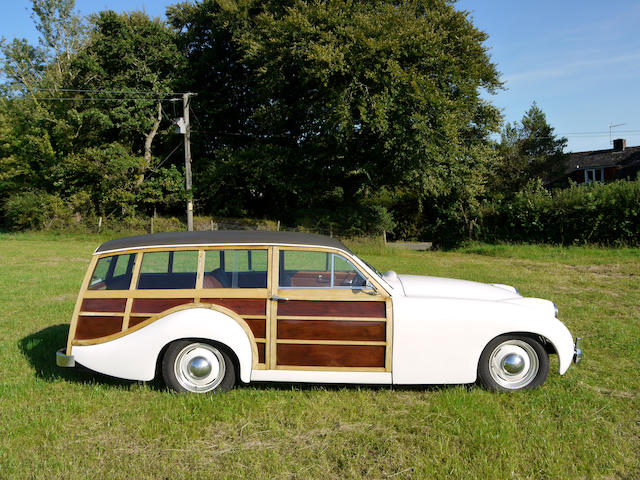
<point>611,127</point>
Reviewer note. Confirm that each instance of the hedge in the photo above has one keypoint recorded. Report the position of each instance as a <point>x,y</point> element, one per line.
<point>605,214</point>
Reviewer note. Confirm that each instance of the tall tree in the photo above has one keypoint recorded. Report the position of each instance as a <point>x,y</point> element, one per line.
<point>83,112</point>
<point>527,150</point>
<point>332,102</point>
<point>130,64</point>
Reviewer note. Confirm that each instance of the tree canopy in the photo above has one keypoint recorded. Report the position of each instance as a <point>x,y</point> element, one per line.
<point>362,115</point>
<point>324,106</point>
<point>83,110</point>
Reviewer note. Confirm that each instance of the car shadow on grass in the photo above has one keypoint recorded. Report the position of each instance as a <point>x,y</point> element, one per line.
<point>40,348</point>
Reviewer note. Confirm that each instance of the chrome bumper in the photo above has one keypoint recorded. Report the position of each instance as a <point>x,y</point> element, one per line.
<point>63,360</point>
<point>577,352</point>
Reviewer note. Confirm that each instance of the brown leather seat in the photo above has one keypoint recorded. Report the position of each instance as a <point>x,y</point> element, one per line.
<point>216,279</point>
<point>211,282</point>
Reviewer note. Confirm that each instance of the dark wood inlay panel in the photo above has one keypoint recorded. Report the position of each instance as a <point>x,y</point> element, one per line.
<point>133,321</point>
<point>330,355</point>
<point>157,305</point>
<point>332,309</point>
<point>260,352</point>
<point>104,305</point>
<point>331,330</point>
<point>96,327</point>
<point>257,326</point>
<point>242,306</point>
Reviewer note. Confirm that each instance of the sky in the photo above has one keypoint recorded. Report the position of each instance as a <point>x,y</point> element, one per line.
<point>578,60</point>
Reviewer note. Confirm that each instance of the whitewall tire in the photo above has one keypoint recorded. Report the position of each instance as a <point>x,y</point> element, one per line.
<point>513,362</point>
<point>198,367</point>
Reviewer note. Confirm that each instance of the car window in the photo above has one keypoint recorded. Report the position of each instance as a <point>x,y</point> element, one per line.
<point>113,273</point>
<point>306,269</point>
<point>168,270</point>
<point>235,268</point>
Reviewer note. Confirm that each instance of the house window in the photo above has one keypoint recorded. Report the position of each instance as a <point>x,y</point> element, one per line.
<point>594,175</point>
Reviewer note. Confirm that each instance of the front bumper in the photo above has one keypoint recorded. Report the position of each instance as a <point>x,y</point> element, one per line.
<point>63,360</point>
<point>577,351</point>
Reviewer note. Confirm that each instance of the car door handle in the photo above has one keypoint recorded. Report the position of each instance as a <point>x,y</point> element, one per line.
<point>276,298</point>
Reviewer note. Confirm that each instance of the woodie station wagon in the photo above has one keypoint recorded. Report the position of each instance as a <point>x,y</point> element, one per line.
<point>208,309</point>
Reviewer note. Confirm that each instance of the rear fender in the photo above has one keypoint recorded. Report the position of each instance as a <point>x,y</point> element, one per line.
<point>134,356</point>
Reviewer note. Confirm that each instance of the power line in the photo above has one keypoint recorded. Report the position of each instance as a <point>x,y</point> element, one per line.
<point>125,92</point>
<point>95,99</point>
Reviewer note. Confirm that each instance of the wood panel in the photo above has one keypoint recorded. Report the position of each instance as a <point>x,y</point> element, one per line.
<point>258,327</point>
<point>331,355</point>
<point>331,308</point>
<point>242,306</point>
<point>96,327</point>
<point>157,305</point>
<point>331,330</point>
<point>261,355</point>
<point>133,321</point>
<point>115,305</point>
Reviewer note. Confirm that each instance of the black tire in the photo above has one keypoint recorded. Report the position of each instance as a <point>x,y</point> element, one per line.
<point>198,367</point>
<point>513,362</point>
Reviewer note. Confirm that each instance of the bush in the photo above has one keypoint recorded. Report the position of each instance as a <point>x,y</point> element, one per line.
<point>36,210</point>
<point>598,214</point>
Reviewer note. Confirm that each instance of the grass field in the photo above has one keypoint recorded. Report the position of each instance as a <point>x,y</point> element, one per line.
<point>57,423</point>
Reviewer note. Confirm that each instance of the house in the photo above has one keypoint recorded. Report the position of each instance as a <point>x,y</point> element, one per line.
<point>617,163</point>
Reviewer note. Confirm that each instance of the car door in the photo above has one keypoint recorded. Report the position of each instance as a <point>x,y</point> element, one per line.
<point>326,314</point>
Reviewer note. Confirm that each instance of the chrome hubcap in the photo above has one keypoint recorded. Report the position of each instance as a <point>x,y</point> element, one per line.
<point>513,364</point>
<point>199,367</point>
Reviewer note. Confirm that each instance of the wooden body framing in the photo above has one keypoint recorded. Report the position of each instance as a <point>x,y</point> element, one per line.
<point>334,329</point>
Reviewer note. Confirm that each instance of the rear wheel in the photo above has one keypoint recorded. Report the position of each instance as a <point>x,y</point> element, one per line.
<point>513,362</point>
<point>198,367</point>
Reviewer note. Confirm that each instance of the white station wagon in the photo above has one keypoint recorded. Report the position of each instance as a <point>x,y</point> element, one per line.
<point>209,309</point>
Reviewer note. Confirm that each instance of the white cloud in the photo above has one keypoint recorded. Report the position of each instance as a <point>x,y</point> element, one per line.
<point>579,67</point>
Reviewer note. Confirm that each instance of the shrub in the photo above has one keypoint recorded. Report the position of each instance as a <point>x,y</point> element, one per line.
<point>36,210</point>
<point>598,214</point>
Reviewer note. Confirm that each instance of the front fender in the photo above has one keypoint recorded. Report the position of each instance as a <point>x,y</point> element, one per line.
<point>439,340</point>
<point>134,356</point>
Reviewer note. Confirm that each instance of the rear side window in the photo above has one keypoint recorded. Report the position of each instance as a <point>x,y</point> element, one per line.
<point>235,269</point>
<point>113,273</point>
<point>168,270</point>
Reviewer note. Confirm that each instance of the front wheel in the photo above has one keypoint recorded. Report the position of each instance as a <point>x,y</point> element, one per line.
<point>513,362</point>
<point>198,367</point>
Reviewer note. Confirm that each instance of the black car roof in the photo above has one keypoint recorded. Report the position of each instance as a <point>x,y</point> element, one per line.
<point>231,237</point>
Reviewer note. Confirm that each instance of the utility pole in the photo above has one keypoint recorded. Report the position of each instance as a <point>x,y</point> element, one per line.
<point>187,157</point>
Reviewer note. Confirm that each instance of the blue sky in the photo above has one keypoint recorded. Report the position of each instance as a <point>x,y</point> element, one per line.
<point>579,60</point>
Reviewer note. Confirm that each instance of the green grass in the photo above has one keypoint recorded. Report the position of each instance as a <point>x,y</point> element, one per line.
<point>59,423</point>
